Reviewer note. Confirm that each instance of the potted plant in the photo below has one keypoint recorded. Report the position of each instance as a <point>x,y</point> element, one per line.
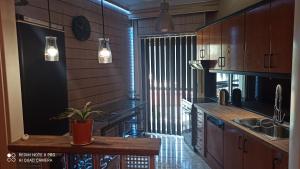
<point>81,123</point>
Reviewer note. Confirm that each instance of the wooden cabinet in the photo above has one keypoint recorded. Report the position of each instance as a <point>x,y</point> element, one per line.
<point>233,152</point>
<point>269,37</point>
<point>215,47</point>
<point>257,39</point>
<point>233,43</point>
<point>205,41</point>
<point>256,154</point>
<point>281,35</point>
<point>280,160</point>
<point>203,44</point>
<point>242,151</point>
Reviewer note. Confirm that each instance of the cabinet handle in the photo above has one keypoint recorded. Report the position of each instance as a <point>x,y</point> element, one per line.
<point>239,142</point>
<point>220,65</point>
<point>223,63</point>
<point>202,53</point>
<point>266,66</point>
<point>244,146</point>
<point>270,60</point>
<point>275,162</point>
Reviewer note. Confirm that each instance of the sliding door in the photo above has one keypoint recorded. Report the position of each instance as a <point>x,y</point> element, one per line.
<point>167,78</point>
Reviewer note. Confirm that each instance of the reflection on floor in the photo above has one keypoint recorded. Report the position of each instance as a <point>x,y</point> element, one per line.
<point>175,154</point>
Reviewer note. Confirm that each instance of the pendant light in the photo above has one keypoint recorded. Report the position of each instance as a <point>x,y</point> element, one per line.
<point>104,52</point>
<point>164,21</point>
<point>51,50</point>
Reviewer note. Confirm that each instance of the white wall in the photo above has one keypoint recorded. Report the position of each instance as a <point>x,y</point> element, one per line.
<point>294,153</point>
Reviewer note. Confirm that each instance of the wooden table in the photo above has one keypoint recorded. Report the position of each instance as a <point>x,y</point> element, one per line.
<point>101,146</point>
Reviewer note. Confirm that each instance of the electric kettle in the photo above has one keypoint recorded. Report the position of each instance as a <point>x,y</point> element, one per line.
<point>223,97</point>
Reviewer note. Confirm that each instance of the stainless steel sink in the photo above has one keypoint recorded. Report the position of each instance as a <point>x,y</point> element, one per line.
<point>265,126</point>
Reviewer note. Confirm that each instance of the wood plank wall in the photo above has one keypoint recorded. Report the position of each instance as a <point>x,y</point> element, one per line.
<point>183,24</point>
<point>88,80</point>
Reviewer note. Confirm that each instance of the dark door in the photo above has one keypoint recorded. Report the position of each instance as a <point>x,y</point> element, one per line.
<point>44,88</point>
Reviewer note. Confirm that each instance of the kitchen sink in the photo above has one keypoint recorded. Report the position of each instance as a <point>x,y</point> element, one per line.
<point>265,126</point>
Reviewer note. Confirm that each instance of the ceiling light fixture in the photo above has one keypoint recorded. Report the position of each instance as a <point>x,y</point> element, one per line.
<point>104,52</point>
<point>51,50</point>
<point>164,21</point>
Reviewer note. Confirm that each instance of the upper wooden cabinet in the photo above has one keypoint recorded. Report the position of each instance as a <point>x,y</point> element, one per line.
<point>215,47</point>
<point>257,39</point>
<point>233,43</point>
<point>281,35</point>
<point>203,44</point>
<point>269,37</point>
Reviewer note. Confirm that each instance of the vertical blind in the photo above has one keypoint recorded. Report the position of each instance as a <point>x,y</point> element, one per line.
<point>167,78</point>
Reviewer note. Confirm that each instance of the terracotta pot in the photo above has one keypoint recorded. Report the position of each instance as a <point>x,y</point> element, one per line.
<point>82,131</point>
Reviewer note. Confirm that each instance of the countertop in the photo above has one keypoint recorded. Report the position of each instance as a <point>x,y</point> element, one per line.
<point>229,113</point>
<point>101,145</point>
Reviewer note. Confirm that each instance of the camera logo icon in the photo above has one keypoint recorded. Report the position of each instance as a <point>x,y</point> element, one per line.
<point>11,157</point>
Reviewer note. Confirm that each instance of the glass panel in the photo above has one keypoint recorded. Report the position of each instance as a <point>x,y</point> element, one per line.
<point>222,82</point>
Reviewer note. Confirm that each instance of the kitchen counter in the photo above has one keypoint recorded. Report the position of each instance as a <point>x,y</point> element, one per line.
<point>229,113</point>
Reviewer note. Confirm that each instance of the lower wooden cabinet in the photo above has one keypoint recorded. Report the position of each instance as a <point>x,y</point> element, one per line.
<point>242,151</point>
<point>233,152</point>
<point>256,154</point>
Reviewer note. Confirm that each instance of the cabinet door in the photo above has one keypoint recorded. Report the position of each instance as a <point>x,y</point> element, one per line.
<point>214,141</point>
<point>215,52</point>
<point>205,40</point>
<point>281,29</point>
<point>233,43</point>
<point>280,160</point>
<point>257,41</point>
<point>233,154</point>
<point>256,154</point>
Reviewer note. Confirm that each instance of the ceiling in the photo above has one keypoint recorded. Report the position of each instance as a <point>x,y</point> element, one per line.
<point>134,5</point>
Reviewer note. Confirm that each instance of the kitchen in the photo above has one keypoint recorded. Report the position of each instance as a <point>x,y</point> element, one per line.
<point>194,84</point>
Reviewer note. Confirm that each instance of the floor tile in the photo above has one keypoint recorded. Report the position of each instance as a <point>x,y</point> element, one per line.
<point>175,154</point>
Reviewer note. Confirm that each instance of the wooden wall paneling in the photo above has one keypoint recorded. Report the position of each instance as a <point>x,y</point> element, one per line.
<point>85,75</point>
<point>233,43</point>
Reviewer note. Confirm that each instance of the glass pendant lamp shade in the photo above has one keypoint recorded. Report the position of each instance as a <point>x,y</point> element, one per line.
<point>104,52</point>
<point>164,21</point>
<point>51,50</point>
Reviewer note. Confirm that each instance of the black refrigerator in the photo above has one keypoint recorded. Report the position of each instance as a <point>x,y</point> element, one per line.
<point>43,84</point>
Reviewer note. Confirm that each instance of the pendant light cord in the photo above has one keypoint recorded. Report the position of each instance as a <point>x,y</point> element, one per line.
<point>49,15</point>
<point>103,25</point>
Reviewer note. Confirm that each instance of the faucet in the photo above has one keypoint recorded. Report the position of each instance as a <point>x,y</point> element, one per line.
<point>278,116</point>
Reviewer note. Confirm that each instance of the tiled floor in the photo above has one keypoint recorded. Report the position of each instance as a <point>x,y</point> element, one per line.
<point>175,154</point>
